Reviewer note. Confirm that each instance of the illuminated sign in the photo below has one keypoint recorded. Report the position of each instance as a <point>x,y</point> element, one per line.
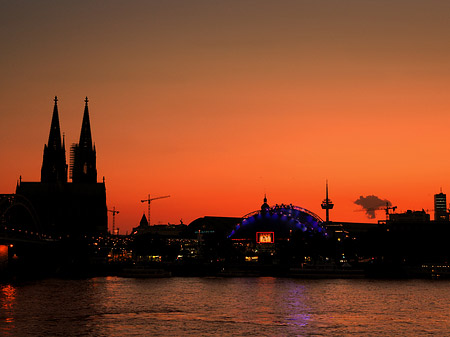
<point>251,259</point>
<point>265,237</point>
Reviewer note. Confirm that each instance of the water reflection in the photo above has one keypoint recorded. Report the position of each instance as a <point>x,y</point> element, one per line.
<point>296,304</point>
<point>223,306</point>
<point>7,301</point>
<point>280,302</point>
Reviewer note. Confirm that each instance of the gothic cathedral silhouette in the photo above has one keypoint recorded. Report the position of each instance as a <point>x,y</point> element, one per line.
<point>68,208</point>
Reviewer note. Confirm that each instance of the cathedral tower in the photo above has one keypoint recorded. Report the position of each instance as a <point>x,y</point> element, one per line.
<point>54,167</point>
<point>83,155</point>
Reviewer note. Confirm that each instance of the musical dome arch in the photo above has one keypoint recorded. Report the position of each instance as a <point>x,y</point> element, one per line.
<point>282,220</point>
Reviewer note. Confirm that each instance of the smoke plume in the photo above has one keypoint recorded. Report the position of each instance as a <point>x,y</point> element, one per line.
<point>372,203</point>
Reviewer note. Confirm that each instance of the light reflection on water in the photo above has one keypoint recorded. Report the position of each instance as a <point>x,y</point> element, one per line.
<point>7,297</point>
<point>224,306</point>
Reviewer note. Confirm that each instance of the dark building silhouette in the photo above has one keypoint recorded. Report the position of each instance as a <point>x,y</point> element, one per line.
<point>410,216</point>
<point>77,207</point>
<point>143,226</point>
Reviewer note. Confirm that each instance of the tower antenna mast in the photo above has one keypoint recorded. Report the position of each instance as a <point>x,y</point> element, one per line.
<point>327,205</point>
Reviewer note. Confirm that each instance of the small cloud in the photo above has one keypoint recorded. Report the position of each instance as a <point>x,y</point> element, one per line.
<point>372,203</point>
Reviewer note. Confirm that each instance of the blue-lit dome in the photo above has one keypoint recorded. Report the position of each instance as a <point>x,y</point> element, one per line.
<point>281,220</point>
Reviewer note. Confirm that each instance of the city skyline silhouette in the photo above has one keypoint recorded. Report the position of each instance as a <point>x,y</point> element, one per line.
<point>239,167</point>
<point>218,104</point>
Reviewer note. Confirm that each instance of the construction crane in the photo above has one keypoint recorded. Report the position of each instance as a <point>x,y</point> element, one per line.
<point>387,210</point>
<point>114,212</point>
<point>149,200</point>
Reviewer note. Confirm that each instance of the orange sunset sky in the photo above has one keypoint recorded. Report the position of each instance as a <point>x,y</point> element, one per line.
<point>218,102</point>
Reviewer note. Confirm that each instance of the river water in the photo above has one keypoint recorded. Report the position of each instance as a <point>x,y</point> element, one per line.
<point>260,306</point>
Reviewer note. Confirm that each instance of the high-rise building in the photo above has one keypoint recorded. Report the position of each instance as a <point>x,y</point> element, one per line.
<point>440,207</point>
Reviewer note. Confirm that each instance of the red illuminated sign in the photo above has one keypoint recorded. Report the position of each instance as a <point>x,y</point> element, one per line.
<point>265,237</point>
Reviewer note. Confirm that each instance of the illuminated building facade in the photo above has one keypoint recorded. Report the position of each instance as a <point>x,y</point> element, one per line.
<point>272,233</point>
<point>280,221</point>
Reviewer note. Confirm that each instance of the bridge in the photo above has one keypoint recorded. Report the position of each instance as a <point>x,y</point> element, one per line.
<point>29,249</point>
<point>19,221</point>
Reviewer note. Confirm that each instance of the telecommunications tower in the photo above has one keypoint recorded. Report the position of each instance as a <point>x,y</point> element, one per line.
<point>327,205</point>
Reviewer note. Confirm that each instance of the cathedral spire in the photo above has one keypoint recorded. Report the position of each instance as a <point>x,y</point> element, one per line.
<point>54,168</point>
<point>85,136</point>
<point>83,162</point>
<point>54,137</point>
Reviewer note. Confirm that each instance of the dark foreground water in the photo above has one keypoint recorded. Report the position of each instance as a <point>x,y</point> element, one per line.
<point>113,306</point>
